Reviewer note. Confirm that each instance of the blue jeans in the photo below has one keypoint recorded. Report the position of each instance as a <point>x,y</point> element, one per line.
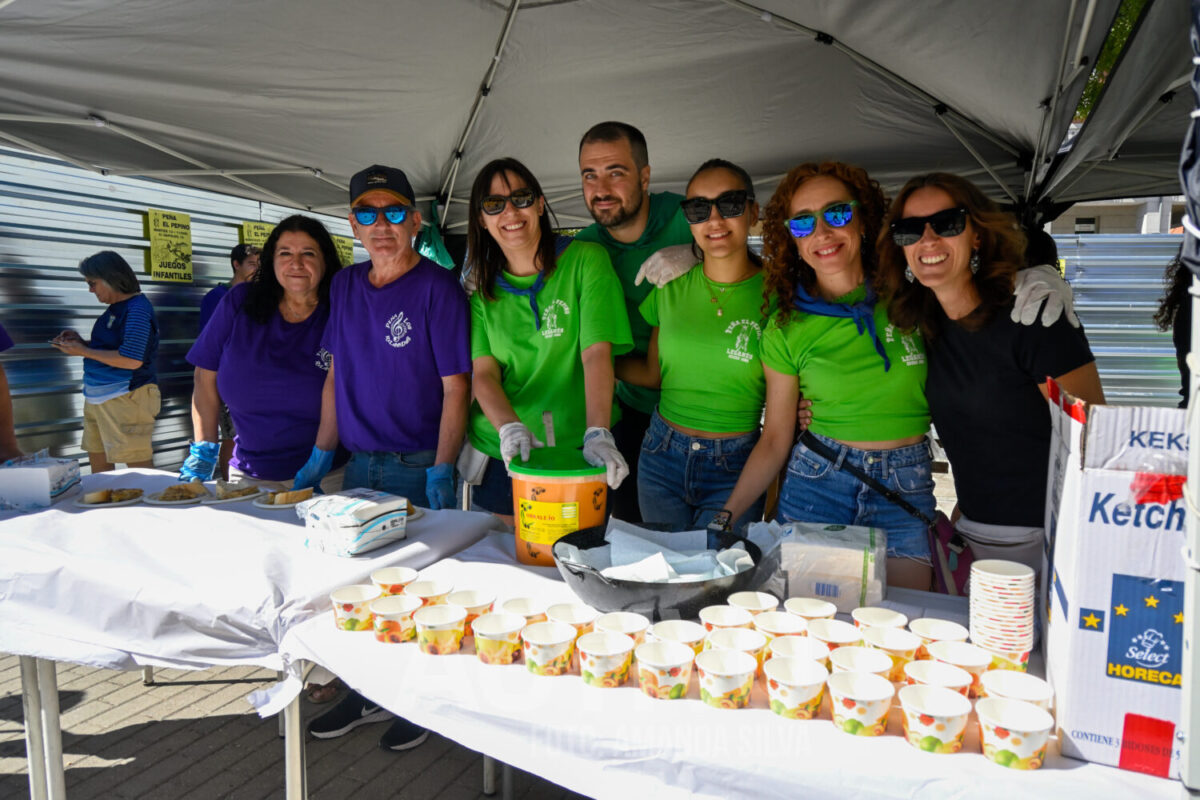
<point>494,492</point>
<point>396,473</point>
<point>817,490</point>
<point>684,480</point>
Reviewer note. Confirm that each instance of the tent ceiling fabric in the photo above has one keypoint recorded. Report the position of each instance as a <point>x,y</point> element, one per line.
<point>317,90</point>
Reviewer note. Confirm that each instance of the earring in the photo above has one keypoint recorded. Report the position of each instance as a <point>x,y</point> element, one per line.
<point>974,263</point>
<point>908,274</point>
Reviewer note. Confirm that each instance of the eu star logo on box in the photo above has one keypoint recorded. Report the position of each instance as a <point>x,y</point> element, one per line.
<point>1145,632</point>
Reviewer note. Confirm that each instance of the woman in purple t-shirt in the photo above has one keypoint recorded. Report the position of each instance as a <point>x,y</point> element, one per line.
<point>261,354</point>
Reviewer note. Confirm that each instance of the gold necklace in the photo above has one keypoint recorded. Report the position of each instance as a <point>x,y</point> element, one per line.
<point>733,286</point>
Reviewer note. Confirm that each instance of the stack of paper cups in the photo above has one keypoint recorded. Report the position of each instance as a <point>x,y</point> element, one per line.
<point>1002,594</point>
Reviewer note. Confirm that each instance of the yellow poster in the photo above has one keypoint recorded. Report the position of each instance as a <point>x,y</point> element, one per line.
<point>170,254</point>
<point>345,248</point>
<point>255,233</point>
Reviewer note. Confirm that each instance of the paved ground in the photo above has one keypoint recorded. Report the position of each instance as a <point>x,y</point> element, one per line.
<point>193,736</point>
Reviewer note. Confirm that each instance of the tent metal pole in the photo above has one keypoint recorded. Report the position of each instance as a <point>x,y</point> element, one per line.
<point>76,121</point>
<point>866,63</point>
<point>1052,102</point>
<point>1188,732</point>
<point>221,173</point>
<point>481,94</point>
<point>1108,166</point>
<point>1088,14</point>
<point>975,154</point>
<point>46,151</point>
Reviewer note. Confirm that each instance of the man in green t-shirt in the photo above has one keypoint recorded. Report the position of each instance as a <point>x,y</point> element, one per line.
<point>631,224</point>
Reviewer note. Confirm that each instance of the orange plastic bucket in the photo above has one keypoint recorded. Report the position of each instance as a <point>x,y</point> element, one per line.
<point>555,493</point>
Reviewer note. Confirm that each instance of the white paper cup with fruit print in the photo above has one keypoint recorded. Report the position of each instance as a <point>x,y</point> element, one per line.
<point>625,622</point>
<point>392,580</point>
<point>664,669</point>
<point>900,645</point>
<point>804,647</point>
<point>476,602</point>
<point>750,642</point>
<point>432,593</point>
<point>548,647</point>
<point>780,623</point>
<point>878,617</point>
<point>678,630</point>
<point>935,718</point>
<point>440,629</point>
<point>716,617</point>
<point>1013,733</point>
<point>1016,686</point>
<point>498,637</point>
<point>810,608</point>
<point>351,606</point>
<point>974,660</point>
<point>725,678</point>
<point>932,630</point>
<point>531,609</point>
<point>835,633</point>
<point>938,673</point>
<point>578,615</point>
<point>795,687</point>
<point>393,618</point>
<point>754,602</point>
<point>604,658</point>
<point>859,702</point>
<point>861,659</point>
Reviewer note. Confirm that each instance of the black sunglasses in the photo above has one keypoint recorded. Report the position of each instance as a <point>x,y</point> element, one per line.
<point>729,204</point>
<point>909,230</point>
<point>493,204</point>
<point>367,215</point>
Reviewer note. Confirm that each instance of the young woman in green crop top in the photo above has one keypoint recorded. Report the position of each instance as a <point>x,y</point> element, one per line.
<point>831,340</point>
<point>703,353</point>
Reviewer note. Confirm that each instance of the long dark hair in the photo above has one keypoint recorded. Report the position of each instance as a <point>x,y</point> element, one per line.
<point>1001,254</point>
<point>1176,282</point>
<point>784,269</point>
<point>485,259</point>
<point>265,292</point>
<point>747,183</point>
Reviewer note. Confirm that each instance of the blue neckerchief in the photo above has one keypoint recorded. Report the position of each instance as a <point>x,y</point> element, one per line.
<point>862,312</point>
<point>531,293</point>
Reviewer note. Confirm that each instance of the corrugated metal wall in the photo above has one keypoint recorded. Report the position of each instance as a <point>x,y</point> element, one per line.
<point>52,215</point>
<point>1118,281</point>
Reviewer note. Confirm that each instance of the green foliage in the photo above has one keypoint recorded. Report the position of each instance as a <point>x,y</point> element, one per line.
<point>1118,36</point>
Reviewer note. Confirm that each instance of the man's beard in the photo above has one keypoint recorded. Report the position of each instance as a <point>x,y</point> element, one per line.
<point>619,216</point>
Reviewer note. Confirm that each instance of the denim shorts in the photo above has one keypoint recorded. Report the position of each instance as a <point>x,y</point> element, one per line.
<point>817,490</point>
<point>684,480</point>
<point>396,473</point>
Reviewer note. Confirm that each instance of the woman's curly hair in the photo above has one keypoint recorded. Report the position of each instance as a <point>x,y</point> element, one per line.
<point>783,268</point>
<point>1001,253</point>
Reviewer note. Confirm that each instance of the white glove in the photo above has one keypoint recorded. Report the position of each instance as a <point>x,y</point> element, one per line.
<point>516,438</point>
<point>469,283</point>
<point>600,450</point>
<point>665,266</point>
<point>1043,283</point>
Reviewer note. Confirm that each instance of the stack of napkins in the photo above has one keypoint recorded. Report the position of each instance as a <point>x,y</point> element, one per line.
<point>637,554</point>
<point>844,564</point>
<point>353,521</point>
<point>36,481</point>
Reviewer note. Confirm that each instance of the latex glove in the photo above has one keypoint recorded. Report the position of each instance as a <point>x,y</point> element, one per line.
<point>516,438</point>
<point>666,265</point>
<point>600,450</point>
<point>316,468</point>
<point>1043,283</point>
<point>439,486</point>
<point>201,462</point>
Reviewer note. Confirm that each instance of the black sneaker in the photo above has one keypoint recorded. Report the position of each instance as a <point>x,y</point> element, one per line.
<point>352,711</point>
<point>402,735</point>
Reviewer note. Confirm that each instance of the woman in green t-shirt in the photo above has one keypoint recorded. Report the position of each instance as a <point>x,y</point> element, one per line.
<point>703,353</point>
<point>546,320</point>
<point>831,340</point>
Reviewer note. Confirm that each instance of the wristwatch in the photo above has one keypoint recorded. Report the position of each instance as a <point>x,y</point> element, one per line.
<point>721,521</point>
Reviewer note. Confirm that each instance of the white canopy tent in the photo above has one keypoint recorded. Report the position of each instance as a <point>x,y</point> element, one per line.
<point>283,100</point>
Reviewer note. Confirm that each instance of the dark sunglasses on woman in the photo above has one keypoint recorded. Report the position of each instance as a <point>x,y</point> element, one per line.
<point>729,204</point>
<point>836,215</point>
<point>909,230</point>
<point>367,215</point>
<point>493,204</point>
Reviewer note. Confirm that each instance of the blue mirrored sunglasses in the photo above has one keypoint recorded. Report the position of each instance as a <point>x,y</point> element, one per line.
<point>366,215</point>
<point>836,215</point>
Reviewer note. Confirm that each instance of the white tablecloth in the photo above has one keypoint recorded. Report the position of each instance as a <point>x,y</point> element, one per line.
<point>181,586</point>
<point>620,743</point>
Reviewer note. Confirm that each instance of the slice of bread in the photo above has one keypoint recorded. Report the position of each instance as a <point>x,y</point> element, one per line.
<point>98,496</point>
<point>121,495</point>
<point>284,498</point>
<point>183,491</point>
<point>229,489</point>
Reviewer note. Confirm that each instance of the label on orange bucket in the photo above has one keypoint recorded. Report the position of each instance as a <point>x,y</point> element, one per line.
<point>545,523</point>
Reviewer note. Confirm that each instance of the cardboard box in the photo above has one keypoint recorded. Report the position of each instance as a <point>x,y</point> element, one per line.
<point>35,482</point>
<point>1113,584</point>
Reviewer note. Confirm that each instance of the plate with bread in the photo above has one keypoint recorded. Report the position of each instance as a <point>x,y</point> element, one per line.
<point>108,498</point>
<point>276,501</point>
<point>233,492</point>
<point>179,494</point>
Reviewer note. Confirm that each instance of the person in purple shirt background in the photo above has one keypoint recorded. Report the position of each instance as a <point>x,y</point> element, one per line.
<point>260,354</point>
<point>243,258</point>
<point>399,385</point>
<point>8,436</point>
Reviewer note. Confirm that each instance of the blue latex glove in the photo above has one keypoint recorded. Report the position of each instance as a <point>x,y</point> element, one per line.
<point>316,468</point>
<point>439,486</point>
<point>201,462</point>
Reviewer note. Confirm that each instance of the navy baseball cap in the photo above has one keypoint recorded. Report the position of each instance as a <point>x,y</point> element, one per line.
<point>388,179</point>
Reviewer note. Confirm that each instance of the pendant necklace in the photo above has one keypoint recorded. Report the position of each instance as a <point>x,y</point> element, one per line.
<point>731,287</point>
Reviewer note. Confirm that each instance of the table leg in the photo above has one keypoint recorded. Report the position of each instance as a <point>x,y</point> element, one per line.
<point>56,783</point>
<point>506,781</point>
<point>147,676</point>
<point>293,748</point>
<point>281,717</point>
<point>35,747</point>
<point>489,775</point>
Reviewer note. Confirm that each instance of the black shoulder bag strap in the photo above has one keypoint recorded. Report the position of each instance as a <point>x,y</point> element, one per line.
<point>821,449</point>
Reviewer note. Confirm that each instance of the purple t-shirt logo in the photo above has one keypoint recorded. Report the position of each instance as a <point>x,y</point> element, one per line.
<point>398,327</point>
<point>324,359</point>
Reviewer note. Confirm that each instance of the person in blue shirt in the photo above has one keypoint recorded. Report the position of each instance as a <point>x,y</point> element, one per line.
<point>120,383</point>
